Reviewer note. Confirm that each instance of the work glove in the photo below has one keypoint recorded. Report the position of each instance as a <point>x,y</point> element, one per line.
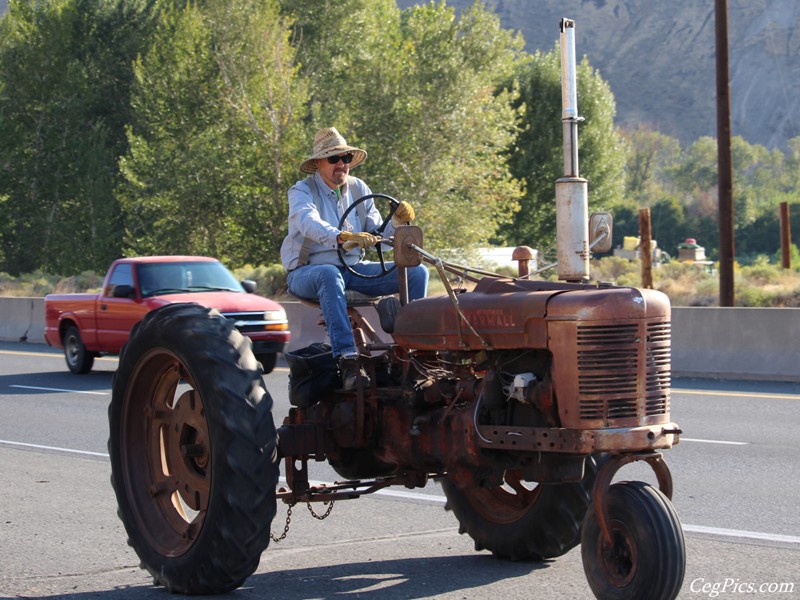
<point>363,240</point>
<point>403,214</point>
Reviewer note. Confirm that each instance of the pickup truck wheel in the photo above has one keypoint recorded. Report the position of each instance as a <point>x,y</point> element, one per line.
<point>79,359</point>
<point>521,520</point>
<point>267,361</point>
<point>193,450</point>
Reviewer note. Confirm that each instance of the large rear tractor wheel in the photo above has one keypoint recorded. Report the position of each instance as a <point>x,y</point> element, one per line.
<point>193,450</point>
<point>520,520</point>
<point>647,558</point>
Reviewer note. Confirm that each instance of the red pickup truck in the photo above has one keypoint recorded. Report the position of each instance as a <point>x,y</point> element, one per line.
<point>87,325</point>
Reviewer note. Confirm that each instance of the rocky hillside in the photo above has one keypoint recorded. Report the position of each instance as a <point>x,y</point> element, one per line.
<point>659,58</point>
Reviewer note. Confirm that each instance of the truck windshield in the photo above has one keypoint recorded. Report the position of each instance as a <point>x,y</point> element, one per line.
<point>157,279</point>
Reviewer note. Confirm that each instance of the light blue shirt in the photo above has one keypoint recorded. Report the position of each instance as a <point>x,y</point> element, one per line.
<point>319,221</point>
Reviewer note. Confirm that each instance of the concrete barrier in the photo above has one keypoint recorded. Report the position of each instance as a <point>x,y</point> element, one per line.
<point>306,328</point>
<point>736,343</point>
<point>724,343</point>
<point>22,320</point>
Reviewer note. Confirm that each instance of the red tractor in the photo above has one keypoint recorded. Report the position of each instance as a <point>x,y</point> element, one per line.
<point>522,397</point>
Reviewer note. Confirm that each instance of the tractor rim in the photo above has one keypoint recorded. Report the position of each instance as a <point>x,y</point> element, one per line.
<point>508,502</point>
<point>619,559</point>
<point>166,455</point>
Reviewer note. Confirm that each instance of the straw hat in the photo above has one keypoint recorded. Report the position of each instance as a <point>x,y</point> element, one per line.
<point>329,142</point>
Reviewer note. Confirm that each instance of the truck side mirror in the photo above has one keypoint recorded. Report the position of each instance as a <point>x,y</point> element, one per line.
<point>249,286</point>
<point>123,291</point>
<point>601,226</point>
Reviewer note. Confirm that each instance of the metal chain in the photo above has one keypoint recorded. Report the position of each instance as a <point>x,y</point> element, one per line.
<point>285,528</point>
<point>327,512</point>
<point>289,519</point>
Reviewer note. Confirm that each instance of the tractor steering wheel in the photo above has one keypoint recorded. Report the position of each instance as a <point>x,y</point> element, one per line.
<point>393,204</point>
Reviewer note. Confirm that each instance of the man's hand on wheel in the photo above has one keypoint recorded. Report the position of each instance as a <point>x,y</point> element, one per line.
<point>363,240</point>
<point>403,215</point>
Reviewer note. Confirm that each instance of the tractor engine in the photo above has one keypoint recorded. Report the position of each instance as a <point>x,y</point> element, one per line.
<point>583,356</point>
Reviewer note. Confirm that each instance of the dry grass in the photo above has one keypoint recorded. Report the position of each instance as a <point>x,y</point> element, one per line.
<point>761,284</point>
<point>37,284</point>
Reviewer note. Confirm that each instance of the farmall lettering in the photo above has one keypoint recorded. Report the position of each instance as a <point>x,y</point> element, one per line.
<point>490,318</point>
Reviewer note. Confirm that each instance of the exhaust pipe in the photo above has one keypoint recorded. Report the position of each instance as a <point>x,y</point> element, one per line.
<point>572,193</point>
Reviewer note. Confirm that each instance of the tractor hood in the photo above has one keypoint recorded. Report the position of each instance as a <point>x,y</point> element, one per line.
<point>508,313</point>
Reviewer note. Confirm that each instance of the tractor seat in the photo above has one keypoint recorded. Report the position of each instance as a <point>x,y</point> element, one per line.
<point>353,298</point>
<point>385,306</point>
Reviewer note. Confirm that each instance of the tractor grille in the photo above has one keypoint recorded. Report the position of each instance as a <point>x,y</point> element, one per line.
<point>623,371</point>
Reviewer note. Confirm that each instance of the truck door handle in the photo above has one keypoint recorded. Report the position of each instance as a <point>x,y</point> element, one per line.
<point>103,307</point>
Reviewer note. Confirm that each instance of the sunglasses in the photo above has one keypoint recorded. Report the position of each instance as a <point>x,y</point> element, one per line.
<point>346,159</point>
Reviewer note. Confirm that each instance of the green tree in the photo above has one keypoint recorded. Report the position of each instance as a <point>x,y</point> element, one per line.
<point>215,131</point>
<point>761,180</point>
<point>652,156</point>
<point>792,172</point>
<point>65,73</point>
<point>668,223</point>
<point>537,156</point>
<point>698,166</point>
<point>419,90</point>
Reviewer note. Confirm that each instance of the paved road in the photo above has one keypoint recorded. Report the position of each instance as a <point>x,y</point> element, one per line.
<point>736,479</point>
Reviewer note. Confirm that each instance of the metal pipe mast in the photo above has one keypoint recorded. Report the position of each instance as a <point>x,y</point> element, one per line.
<point>572,195</point>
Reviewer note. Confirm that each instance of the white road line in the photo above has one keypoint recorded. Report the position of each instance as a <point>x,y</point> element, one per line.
<point>738,533</point>
<point>440,500</point>
<point>49,354</point>
<point>29,387</point>
<point>685,439</point>
<point>53,448</point>
<point>47,389</point>
<point>733,394</point>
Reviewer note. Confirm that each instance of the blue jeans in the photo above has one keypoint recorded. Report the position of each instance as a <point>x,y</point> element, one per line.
<point>327,284</point>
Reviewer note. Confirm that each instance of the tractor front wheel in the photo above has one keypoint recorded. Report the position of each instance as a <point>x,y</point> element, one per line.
<point>647,555</point>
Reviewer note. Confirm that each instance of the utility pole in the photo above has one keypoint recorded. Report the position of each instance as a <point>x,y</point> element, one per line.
<point>645,247</point>
<point>786,237</point>
<point>724,166</point>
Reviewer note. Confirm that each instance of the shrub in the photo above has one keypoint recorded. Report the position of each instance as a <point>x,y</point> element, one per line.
<point>88,281</point>
<point>761,272</point>
<point>34,285</point>
<point>270,279</point>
